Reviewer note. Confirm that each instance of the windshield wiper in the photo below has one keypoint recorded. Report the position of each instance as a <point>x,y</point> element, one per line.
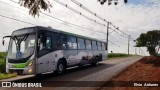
<point>19,40</point>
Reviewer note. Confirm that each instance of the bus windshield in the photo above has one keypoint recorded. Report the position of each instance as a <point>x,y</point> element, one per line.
<point>21,46</point>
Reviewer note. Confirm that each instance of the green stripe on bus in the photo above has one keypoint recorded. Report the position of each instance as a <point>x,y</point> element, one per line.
<point>21,65</point>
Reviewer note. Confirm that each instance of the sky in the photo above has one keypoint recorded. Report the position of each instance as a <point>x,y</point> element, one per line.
<point>133,18</point>
<point>136,1</point>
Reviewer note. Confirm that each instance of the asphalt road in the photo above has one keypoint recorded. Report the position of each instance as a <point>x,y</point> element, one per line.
<point>75,75</point>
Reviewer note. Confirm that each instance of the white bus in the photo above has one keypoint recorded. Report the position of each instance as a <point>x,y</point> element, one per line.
<point>39,50</point>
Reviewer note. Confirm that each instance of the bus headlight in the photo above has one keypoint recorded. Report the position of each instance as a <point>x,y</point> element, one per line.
<point>30,63</point>
<point>30,70</point>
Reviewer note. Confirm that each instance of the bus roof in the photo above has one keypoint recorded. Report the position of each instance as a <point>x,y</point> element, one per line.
<point>37,28</point>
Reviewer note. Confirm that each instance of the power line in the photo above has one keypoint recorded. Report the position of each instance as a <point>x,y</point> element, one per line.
<point>77,3</point>
<point>119,30</point>
<point>122,32</point>
<point>60,20</point>
<point>35,24</point>
<point>80,13</point>
<point>116,39</point>
<point>17,20</point>
<point>113,43</point>
<point>126,35</point>
<point>32,23</point>
<point>73,24</point>
<point>118,33</point>
<point>96,15</point>
<point>85,8</point>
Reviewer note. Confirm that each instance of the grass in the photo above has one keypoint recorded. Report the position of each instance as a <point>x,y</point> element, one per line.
<point>117,55</point>
<point>3,74</point>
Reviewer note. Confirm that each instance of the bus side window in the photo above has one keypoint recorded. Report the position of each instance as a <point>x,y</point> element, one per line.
<point>81,43</point>
<point>94,45</point>
<point>88,44</point>
<point>99,45</point>
<point>103,46</point>
<point>45,45</point>
<point>60,41</point>
<point>71,42</point>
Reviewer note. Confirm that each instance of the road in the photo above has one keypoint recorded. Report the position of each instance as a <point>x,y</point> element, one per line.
<point>87,73</point>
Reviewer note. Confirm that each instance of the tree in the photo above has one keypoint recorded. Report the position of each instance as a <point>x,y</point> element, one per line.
<point>110,1</point>
<point>150,40</point>
<point>35,6</point>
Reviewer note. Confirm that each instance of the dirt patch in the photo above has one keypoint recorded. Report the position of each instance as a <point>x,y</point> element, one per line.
<point>147,69</point>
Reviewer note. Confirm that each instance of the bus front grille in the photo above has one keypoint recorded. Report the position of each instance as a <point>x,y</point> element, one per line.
<point>16,71</point>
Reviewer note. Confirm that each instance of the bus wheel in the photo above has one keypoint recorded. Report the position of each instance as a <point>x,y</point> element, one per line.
<point>96,63</point>
<point>61,67</point>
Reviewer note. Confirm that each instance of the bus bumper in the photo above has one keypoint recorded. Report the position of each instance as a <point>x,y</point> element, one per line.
<point>20,71</point>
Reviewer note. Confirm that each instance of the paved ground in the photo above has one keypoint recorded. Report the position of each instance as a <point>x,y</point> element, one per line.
<point>86,76</point>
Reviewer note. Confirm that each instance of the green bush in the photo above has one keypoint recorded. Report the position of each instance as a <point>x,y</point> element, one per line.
<point>117,55</point>
<point>3,55</point>
<point>3,74</point>
<point>2,62</point>
<point>2,66</point>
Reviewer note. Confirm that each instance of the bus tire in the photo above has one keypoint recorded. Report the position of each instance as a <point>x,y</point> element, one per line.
<point>96,63</point>
<point>61,67</point>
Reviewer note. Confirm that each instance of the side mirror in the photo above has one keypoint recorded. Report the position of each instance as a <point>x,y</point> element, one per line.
<point>6,37</point>
<point>3,42</point>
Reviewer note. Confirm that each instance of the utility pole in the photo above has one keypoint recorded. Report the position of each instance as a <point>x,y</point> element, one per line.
<point>128,43</point>
<point>107,35</point>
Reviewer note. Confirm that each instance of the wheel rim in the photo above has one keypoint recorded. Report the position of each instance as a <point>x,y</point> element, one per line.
<point>97,63</point>
<point>60,67</point>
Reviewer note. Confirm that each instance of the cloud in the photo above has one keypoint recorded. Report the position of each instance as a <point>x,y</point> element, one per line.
<point>154,1</point>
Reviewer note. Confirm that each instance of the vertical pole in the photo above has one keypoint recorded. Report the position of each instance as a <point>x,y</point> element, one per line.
<point>128,43</point>
<point>139,51</point>
<point>135,50</point>
<point>107,35</point>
